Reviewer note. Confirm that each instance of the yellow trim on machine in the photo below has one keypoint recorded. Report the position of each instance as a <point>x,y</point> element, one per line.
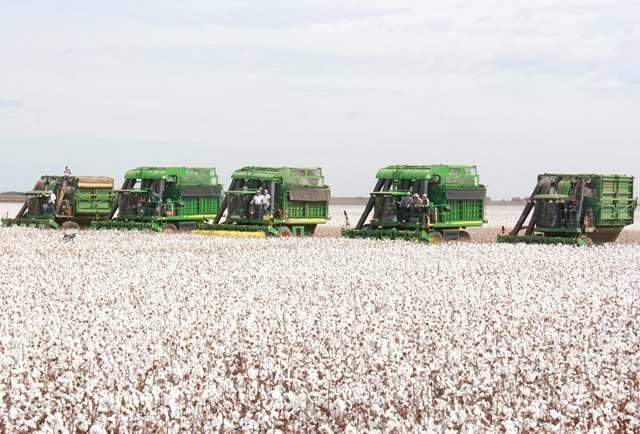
<point>305,221</point>
<point>236,234</point>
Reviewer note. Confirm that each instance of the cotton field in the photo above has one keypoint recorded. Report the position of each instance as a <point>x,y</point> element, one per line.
<point>137,332</point>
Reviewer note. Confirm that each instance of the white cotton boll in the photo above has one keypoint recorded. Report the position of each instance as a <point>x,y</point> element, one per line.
<point>82,423</point>
<point>277,401</point>
<point>174,428</point>
<point>339,408</point>
<point>509,427</point>
<point>106,403</point>
<point>292,401</point>
<point>97,429</point>
<point>58,424</point>
<point>631,408</point>
<point>325,428</point>
<point>14,413</point>
<point>350,429</point>
<point>227,425</point>
<point>173,402</point>
<point>218,421</point>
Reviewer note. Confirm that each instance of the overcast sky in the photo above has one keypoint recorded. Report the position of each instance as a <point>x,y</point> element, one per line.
<point>517,87</point>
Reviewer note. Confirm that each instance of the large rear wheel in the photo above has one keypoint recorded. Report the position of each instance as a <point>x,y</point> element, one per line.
<point>168,228</point>
<point>436,237</point>
<point>283,232</point>
<point>587,240</point>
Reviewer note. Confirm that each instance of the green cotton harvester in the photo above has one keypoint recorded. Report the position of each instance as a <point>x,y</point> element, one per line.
<point>431,203</point>
<point>165,199</point>
<point>67,202</point>
<point>577,209</point>
<point>298,202</point>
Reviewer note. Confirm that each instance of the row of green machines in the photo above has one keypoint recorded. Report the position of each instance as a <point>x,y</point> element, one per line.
<point>432,203</point>
<point>182,198</point>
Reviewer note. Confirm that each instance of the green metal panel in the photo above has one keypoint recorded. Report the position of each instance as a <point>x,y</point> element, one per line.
<point>198,205</point>
<point>449,174</point>
<point>296,209</point>
<point>93,201</point>
<point>617,204</point>
<point>189,206</point>
<point>287,176</point>
<point>304,210</point>
<point>183,175</point>
<point>457,210</point>
<point>209,205</point>
<point>316,210</point>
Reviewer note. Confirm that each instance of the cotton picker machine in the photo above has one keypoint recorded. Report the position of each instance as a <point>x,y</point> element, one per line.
<point>575,209</point>
<point>78,201</point>
<point>298,202</point>
<point>429,203</point>
<point>164,199</point>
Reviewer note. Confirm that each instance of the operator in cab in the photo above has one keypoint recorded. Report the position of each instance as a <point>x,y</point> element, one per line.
<point>405,205</point>
<point>256,205</point>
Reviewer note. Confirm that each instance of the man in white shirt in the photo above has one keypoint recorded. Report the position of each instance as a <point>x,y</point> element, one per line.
<point>256,204</point>
<point>266,200</point>
<point>67,171</point>
<point>51,203</point>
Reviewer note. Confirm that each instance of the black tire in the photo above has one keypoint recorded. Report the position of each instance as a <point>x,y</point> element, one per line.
<point>168,228</point>
<point>187,226</point>
<point>310,229</point>
<point>464,237</point>
<point>283,232</point>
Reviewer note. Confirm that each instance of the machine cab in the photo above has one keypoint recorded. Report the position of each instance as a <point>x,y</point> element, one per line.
<point>392,205</point>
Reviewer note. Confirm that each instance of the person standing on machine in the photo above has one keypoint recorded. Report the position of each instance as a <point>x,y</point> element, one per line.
<point>405,205</point>
<point>256,204</point>
<point>416,206</point>
<point>51,203</point>
<point>425,217</point>
<point>266,201</point>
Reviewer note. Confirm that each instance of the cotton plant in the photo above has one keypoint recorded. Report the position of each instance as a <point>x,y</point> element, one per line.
<point>132,332</point>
